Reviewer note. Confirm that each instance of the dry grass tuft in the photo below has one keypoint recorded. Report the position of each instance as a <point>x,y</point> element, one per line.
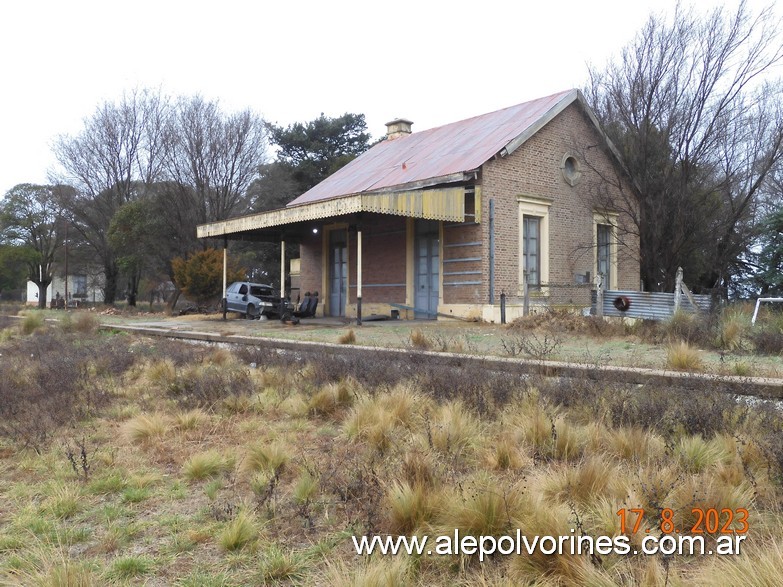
<point>64,501</point>
<point>82,322</point>
<point>583,482</point>
<point>265,458</point>
<point>279,566</point>
<point>409,507</point>
<point>506,453</point>
<point>697,455</point>
<point>190,420</point>
<point>376,572</point>
<point>759,568</point>
<point>482,507</point>
<point>145,428</point>
<point>348,337</point>
<point>541,518</point>
<point>453,429</point>
<point>378,418</point>
<point>419,340</point>
<point>333,397</point>
<point>161,373</point>
<point>205,465</point>
<point>239,532</point>
<point>635,444</point>
<point>419,468</point>
<point>683,357</point>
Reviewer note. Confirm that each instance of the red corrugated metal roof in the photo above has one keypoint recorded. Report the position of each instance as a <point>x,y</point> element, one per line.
<point>453,148</point>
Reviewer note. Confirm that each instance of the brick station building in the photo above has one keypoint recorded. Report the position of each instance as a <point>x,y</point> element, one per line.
<point>441,222</point>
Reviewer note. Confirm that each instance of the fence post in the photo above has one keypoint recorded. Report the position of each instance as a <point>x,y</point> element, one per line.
<point>599,295</point>
<point>525,295</point>
<point>502,307</point>
<point>678,289</point>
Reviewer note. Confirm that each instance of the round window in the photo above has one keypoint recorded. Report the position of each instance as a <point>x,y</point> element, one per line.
<point>570,169</point>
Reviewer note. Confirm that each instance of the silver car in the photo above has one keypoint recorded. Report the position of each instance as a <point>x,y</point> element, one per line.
<point>252,300</point>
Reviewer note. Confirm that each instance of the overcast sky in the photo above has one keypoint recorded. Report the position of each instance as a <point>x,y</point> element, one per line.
<point>432,62</point>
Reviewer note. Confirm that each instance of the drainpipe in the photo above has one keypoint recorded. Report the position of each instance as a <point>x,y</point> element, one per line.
<point>491,251</point>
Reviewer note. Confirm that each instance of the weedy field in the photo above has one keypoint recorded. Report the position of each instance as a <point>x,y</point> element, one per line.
<point>128,461</point>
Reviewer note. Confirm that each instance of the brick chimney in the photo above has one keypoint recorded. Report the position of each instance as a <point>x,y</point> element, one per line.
<point>399,127</point>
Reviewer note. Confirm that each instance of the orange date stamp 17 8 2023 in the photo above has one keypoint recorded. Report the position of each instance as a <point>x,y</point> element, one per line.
<point>709,520</point>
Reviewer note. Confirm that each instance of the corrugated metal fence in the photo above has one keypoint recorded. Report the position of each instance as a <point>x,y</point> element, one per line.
<point>649,305</point>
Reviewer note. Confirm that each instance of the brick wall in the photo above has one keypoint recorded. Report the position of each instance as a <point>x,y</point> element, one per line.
<point>534,170</point>
<point>310,265</point>
<point>383,260</point>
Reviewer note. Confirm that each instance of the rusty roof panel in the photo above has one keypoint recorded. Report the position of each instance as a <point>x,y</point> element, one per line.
<point>454,148</point>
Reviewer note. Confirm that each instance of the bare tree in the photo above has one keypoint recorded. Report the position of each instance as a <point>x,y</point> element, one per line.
<point>699,131</point>
<point>110,163</point>
<point>214,157</point>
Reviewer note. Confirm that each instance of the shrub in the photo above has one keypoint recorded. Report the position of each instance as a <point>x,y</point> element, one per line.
<point>689,328</point>
<point>200,277</point>
<point>31,321</point>
<point>45,386</point>
<point>81,322</point>
<point>201,386</point>
<point>767,341</point>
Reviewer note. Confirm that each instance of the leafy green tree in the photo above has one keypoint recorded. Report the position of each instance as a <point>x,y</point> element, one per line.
<point>200,276</point>
<point>13,266</point>
<point>313,150</point>
<point>30,217</point>
<point>134,233</point>
<point>768,279</point>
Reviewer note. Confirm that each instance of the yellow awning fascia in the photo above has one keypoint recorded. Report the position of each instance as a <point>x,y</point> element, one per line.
<point>435,204</point>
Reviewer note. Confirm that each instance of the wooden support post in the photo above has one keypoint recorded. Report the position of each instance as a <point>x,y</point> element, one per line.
<point>502,307</point>
<point>359,277</point>
<point>282,279</point>
<point>225,272</point>
<point>678,290</point>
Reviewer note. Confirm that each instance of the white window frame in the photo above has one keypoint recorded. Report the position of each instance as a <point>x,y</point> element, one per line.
<point>607,219</point>
<point>529,206</point>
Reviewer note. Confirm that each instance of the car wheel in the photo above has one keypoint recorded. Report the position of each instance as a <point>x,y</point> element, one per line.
<point>249,314</point>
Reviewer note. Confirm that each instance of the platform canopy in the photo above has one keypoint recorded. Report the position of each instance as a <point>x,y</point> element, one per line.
<point>432,204</point>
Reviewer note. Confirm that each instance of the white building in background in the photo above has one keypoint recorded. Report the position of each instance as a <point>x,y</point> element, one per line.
<point>81,288</point>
